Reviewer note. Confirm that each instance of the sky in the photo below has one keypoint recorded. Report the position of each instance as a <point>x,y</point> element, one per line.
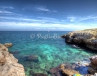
<point>47,15</point>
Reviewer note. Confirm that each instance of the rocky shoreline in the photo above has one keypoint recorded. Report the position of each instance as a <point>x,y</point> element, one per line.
<point>9,65</point>
<point>86,38</point>
<point>76,69</point>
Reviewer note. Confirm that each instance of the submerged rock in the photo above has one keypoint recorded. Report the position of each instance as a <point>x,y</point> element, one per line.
<point>87,38</point>
<point>31,58</point>
<point>9,65</point>
<point>39,74</point>
<point>55,71</point>
<point>15,52</point>
<point>8,45</point>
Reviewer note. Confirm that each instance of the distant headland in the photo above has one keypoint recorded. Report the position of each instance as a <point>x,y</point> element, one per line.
<point>86,38</point>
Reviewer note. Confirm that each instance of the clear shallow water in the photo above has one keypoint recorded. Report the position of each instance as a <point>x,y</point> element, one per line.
<point>48,46</point>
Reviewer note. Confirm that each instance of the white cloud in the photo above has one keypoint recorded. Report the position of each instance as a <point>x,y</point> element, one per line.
<point>7,12</point>
<point>41,8</point>
<point>46,22</point>
<point>79,19</point>
<point>7,7</point>
<point>21,19</point>
<point>88,17</point>
<point>50,20</point>
<point>19,24</point>
<point>38,20</point>
<point>46,26</point>
<point>71,18</point>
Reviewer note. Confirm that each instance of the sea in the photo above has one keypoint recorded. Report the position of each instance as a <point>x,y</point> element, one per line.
<point>39,51</point>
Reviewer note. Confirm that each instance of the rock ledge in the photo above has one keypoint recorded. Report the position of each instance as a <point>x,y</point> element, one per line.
<point>87,38</point>
<point>9,65</point>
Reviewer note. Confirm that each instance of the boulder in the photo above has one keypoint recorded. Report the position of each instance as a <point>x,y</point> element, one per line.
<point>8,45</point>
<point>55,71</point>
<point>93,65</point>
<point>67,72</point>
<point>9,65</point>
<point>31,58</point>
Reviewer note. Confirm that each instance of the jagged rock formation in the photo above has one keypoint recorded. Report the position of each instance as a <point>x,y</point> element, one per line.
<point>68,72</point>
<point>87,38</point>
<point>9,65</point>
<point>93,65</point>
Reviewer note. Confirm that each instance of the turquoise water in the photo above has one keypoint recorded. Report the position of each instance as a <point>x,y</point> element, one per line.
<point>50,49</point>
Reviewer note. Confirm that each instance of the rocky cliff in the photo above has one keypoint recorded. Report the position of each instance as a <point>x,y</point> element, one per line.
<point>9,65</point>
<point>87,38</point>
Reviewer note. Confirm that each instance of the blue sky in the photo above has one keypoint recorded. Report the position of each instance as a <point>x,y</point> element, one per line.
<point>62,15</point>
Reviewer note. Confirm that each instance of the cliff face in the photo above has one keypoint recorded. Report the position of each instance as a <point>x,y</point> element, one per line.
<point>87,38</point>
<point>9,65</point>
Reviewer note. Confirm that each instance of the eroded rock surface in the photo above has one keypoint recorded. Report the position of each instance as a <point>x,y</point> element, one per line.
<point>8,45</point>
<point>93,65</point>
<point>67,72</point>
<point>87,38</point>
<point>9,65</point>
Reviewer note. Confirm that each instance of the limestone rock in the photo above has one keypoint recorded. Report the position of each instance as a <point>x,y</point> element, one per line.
<point>87,38</point>
<point>9,65</point>
<point>8,45</point>
<point>93,65</point>
<point>68,72</point>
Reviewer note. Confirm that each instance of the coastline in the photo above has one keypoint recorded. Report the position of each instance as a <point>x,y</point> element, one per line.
<point>9,65</point>
<point>85,38</point>
<point>62,68</point>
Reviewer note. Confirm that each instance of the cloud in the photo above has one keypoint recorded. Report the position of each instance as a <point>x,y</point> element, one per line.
<point>37,20</point>
<point>38,8</point>
<point>71,18</point>
<point>88,17</point>
<point>41,8</point>
<point>7,7</point>
<point>18,24</point>
<point>5,12</point>
<point>46,25</point>
<point>44,9</point>
<point>50,20</point>
<point>79,19</point>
